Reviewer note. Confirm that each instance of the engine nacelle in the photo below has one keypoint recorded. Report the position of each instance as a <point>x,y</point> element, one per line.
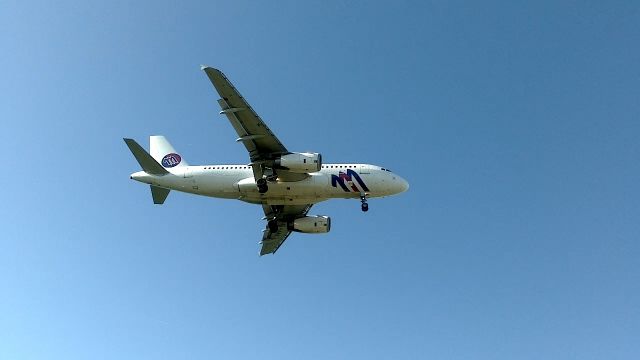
<point>300,162</point>
<point>311,224</point>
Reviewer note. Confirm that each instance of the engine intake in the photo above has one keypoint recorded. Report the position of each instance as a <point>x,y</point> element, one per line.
<point>300,162</point>
<point>311,224</point>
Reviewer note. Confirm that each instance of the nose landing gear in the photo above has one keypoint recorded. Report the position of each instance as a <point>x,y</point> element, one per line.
<point>364,206</point>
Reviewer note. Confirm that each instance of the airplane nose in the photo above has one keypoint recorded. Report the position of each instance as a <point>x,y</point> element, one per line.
<point>399,185</point>
<point>404,185</point>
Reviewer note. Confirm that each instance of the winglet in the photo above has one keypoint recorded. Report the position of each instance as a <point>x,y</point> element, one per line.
<point>148,164</point>
<point>202,67</point>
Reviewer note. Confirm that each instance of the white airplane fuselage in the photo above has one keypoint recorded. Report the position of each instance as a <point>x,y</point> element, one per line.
<point>285,183</point>
<point>333,181</point>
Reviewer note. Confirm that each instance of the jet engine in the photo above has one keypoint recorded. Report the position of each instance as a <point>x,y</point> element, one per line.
<point>300,162</point>
<point>311,224</point>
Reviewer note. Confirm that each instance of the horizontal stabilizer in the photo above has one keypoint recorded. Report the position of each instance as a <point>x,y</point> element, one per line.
<point>159,194</point>
<point>148,164</point>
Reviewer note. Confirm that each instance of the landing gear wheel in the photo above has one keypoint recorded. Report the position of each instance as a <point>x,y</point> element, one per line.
<point>262,186</point>
<point>273,225</point>
<point>363,200</point>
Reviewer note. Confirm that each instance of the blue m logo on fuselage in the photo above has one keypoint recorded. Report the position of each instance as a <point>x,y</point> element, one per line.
<point>349,178</point>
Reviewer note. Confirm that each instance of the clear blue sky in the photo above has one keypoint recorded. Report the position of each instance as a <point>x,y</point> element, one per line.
<point>516,123</point>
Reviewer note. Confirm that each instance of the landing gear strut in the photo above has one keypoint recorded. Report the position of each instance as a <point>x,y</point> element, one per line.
<point>272,225</point>
<point>363,200</point>
<point>262,185</point>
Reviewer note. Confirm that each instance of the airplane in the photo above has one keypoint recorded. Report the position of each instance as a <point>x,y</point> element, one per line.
<point>286,184</point>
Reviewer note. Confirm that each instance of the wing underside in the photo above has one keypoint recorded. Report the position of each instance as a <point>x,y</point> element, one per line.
<point>261,143</point>
<point>272,239</point>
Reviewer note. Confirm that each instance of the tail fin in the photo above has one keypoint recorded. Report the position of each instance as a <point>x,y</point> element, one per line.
<point>148,164</point>
<point>164,153</point>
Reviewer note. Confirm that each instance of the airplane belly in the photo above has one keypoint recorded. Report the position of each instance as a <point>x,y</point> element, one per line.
<point>300,192</point>
<point>218,186</point>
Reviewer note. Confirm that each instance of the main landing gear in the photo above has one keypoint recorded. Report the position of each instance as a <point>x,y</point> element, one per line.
<point>268,175</point>
<point>272,225</point>
<point>262,185</point>
<point>363,200</point>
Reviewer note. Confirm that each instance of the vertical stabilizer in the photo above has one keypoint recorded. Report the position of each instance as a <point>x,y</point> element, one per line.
<point>164,153</point>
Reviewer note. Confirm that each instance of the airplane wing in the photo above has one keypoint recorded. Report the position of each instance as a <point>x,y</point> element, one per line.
<point>272,240</point>
<point>254,134</point>
<point>263,146</point>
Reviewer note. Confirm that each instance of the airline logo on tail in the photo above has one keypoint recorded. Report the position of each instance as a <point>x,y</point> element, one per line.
<point>344,179</point>
<point>171,160</point>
